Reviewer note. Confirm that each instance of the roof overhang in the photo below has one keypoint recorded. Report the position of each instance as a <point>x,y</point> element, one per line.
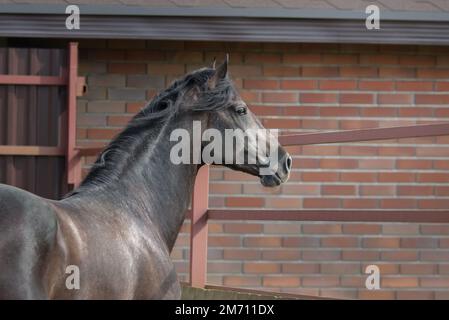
<point>225,24</point>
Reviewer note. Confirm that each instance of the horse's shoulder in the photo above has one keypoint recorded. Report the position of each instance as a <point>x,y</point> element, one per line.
<point>19,204</point>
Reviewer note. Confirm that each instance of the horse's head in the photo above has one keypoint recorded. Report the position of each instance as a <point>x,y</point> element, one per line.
<point>235,137</point>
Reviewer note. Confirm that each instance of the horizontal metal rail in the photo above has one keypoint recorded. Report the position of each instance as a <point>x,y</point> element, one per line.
<point>414,131</point>
<point>31,151</point>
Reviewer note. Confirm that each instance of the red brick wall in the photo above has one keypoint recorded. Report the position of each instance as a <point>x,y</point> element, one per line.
<point>304,88</point>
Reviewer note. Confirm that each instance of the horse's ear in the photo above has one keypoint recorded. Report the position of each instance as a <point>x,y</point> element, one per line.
<point>212,65</point>
<point>220,73</point>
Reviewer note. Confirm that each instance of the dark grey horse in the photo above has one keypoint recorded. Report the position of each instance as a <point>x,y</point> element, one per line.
<point>119,227</point>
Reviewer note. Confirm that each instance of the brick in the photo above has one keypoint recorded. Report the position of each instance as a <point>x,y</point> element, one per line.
<point>321,255</point>
<point>322,228</point>
<point>358,176</point>
<point>400,229</point>
<point>376,163</point>
<point>374,190</point>
<point>433,177</point>
<point>341,268</point>
<point>145,81</point>
<point>415,60</point>
<point>430,73</point>
<point>358,150</point>
<point>300,189</point>
<point>374,85</point>
<point>145,55</point>
<point>318,98</point>
<point>338,190</point>
<point>360,203</point>
<point>338,84</point>
<point>415,295</point>
<point>321,203</point>
<point>108,80</point>
<point>340,59</point>
<point>280,97</point>
<point>414,86</point>
<point>126,94</point>
<point>387,98</point>
<point>376,295</point>
<point>281,254</point>
<point>434,255</point>
<point>300,268</point>
<point>225,188</point>
<point>339,111</point>
<point>396,151</point>
<point>243,228</point>
<point>299,84</point>
<point>432,99</point>
<point>300,242</point>
<point>418,268</point>
<point>320,281</point>
<point>300,111</point>
<point>242,281</point>
<point>282,123</point>
<point>396,177</point>
<point>302,58</point>
<point>432,151</point>
<point>396,73</point>
<point>378,112</point>
<point>224,241</point>
<point>244,202</point>
<point>134,107</point>
<point>360,255</point>
<point>398,203</point>
<point>358,124</point>
<point>283,203</point>
<point>319,176</point>
<point>381,242</point>
<point>281,281</point>
<point>442,86</point>
<point>339,242</point>
<point>356,98</point>
<point>270,58</point>
<point>435,229</point>
<point>127,68</point>
<point>118,121</point>
<point>279,71</point>
<point>261,267</point>
<point>361,228</point>
<point>165,69</point>
<point>102,134</point>
<point>318,72</point>
<point>419,243</point>
<point>398,282</point>
<point>319,124</point>
<point>260,84</point>
<point>358,72</point>
<point>383,59</point>
<point>90,120</point>
<point>399,256</point>
<point>433,204</point>
<point>413,164</point>
<point>224,267</point>
<point>267,241</point>
<point>241,254</point>
<point>282,228</point>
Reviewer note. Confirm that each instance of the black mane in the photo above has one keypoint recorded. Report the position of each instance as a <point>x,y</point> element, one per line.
<point>167,103</point>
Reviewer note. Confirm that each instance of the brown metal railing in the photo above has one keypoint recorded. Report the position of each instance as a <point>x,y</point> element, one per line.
<point>201,214</point>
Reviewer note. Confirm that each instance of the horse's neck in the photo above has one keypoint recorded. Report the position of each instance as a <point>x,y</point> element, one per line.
<point>151,187</point>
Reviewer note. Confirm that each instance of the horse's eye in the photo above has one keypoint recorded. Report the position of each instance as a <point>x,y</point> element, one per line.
<point>241,111</point>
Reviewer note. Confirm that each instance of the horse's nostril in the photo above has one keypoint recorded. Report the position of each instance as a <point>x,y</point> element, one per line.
<point>288,163</point>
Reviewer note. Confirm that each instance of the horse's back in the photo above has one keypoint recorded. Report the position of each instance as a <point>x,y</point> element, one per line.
<point>27,232</point>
